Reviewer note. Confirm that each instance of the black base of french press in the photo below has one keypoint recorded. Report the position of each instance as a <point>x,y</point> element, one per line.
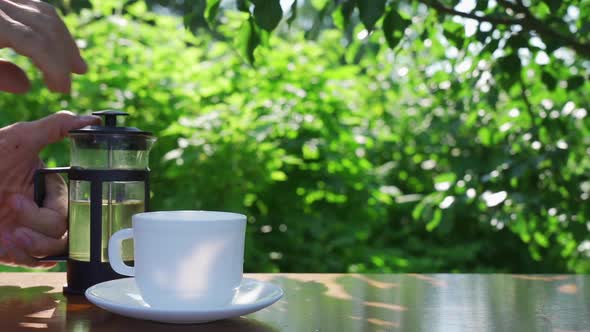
<point>82,275</point>
<point>73,291</point>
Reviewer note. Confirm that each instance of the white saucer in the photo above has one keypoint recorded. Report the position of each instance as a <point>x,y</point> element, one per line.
<point>122,297</point>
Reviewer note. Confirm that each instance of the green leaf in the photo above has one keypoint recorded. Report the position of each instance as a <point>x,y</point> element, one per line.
<point>574,82</point>
<point>455,33</point>
<point>341,17</point>
<point>78,5</point>
<point>278,176</point>
<point>293,13</point>
<point>509,69</point>
<point>481,5</point>
<point>243,5</point>
<point>553,4</point>
<point>262,207</point>
<point>542,10</point>
<point>417,212</point>
<point>378,261</point>
<point>267,13</point>
<point>106,7</point>
<point>549,81</point>
<point>393,27</point>
<point>535,254</point>
<point>249,39</point>
<point>249,199</point>
<point>485,136</point>
<point>211,11</point>
<point>436,218</point>
<point>338,19</point>
<point>541,239</point>
<point>521,228</point>
<point>194,17</point>
<point>370,11</point>
<point>310,151</point>
<point>319,4</point>
<point>445,177</point>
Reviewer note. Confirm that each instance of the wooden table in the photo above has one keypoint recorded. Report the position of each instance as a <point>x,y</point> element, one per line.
<point>335,302</point>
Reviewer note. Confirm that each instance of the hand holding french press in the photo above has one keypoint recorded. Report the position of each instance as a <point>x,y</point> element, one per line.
<point>28,231</point>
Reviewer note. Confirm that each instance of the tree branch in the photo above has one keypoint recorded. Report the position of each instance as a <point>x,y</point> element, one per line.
<point>447,10</point>
<point>530,23</point>
<point>527,103</point>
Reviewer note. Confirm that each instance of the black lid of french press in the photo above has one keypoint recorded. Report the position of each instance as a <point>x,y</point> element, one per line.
<point>110,125</point>
<point>118,138</point>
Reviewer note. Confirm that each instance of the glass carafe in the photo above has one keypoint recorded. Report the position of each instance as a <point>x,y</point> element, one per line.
<point>106,148</point>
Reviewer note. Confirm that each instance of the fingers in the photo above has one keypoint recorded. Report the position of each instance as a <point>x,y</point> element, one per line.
<point>35,30</point>
<point>13,252</point>
<point>49,220</point>
<point>14,79</point>
<point>56,196</point>
<point>55,127</point>
<point>41,233</point>
<point>78,64</point>
<point>43,47</point>
<point>43,220</point>
<point>38,245</point>
<point>20,258</point>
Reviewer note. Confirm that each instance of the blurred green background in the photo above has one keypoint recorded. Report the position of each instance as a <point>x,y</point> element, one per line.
<point>358,136</point>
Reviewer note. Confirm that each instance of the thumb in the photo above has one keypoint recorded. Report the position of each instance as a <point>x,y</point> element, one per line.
<point>55,127</point>
<point>14,79</point>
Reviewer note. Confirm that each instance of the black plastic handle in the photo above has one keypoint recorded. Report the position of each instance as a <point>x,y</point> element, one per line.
<point>39,195</point>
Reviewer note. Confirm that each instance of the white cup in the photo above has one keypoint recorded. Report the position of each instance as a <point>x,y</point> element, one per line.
<point>184,259</point>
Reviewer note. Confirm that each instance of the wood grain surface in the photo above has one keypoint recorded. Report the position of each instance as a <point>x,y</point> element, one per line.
<point>335,302</point>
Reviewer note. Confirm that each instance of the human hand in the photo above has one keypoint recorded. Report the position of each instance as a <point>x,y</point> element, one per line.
<point>34,29</point>
<point>28,231</point>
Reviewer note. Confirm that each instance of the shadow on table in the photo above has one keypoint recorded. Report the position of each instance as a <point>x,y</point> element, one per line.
<point>26,308</point>
<point>44,309</point>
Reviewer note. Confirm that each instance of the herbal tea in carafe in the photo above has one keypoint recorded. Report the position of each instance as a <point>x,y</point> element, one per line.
<point>120,201</point>
<point>116,214</point>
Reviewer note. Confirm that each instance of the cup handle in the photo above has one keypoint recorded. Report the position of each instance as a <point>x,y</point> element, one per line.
<point>115,243</point>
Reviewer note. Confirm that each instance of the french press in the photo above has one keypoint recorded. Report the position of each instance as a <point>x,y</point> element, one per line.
<point>108,183</point>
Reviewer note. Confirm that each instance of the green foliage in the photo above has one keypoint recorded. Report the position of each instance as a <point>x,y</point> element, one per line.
<point>558,25</point>
<point>393,27</point>
<point>267,13</point>
<point>370,11</point>
<point>454,152</point>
